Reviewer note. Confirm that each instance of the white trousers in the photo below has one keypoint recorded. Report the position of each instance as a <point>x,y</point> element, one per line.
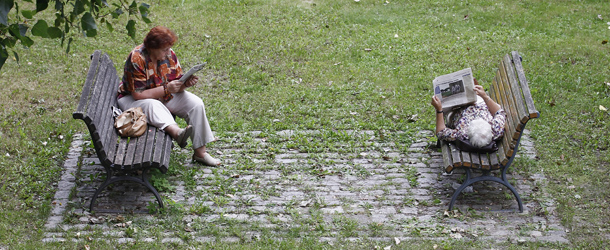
<point>184,105</point>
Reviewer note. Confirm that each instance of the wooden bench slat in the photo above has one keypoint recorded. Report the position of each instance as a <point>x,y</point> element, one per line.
<point>525,89</point>
<point>448,163</point>
<point>502,102</point>
<point>158,154</point>
<point>119,157</point>
<point>92,116</point>
<point>475,159</point>
<point>166,153</point>
<point>98,105</point>
<point>493,160</point>
<point>520,104</point>
<point>108,132</point>
<point>138,155</point>
<point>94,104</point>
<point>85,94</point>
<point>466,161</point>
<point>511,115</point>
<point>485,161</point>
<point>148,151</point>
<point>501,155</point>
<point>132,146</point>
<point>455,156</point>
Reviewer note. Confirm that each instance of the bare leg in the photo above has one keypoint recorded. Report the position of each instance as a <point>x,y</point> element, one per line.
<point>179,135</point>
<point>173,130</point>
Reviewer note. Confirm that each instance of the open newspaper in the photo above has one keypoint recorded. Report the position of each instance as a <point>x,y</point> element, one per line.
<point>192,71</point>
<point>455,89</point>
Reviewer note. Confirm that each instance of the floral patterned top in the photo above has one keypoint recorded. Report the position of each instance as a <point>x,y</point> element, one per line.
<point>457,127</point>
<point>141,73</point>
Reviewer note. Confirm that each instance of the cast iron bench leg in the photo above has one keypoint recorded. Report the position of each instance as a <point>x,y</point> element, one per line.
<point>109,180</point>
<point>486,177</point>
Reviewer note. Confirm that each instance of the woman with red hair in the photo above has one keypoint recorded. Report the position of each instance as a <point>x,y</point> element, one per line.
<point>151,81</point>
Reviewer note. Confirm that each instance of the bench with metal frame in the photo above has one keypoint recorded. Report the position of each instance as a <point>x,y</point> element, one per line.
<point>124,159</point>
<point>509,89</point>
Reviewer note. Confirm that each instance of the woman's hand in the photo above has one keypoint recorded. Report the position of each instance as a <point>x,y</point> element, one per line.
<point>174,86</point>
<point>481,92</point>
<point>436,103</point>
<point>192,81</point>
<point>492,106</point>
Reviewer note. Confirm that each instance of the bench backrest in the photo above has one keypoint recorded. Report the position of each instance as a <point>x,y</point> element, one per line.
<point>152,149</point>
<point>510,89</point>
<point>97,99</point>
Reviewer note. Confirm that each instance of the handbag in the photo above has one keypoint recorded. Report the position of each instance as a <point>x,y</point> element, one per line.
<point>465,145</point>
<point>131,123</point>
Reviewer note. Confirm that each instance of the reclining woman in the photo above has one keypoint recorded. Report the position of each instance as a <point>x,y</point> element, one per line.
<point>151,81</point>
<point>478,124</point>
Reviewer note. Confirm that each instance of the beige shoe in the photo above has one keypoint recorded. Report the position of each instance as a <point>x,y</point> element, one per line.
<point>184,135</point>
<point>207,160</point>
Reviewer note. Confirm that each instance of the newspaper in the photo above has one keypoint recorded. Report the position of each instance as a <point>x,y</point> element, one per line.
<point>455,89</point>
<point>192,71</point>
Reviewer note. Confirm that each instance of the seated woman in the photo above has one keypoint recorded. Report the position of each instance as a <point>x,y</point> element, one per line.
<point>151,81</point>
<point>480,123</point>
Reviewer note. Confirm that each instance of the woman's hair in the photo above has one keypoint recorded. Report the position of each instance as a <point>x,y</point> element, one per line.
<point>479,133</point>
<point>160,37</point>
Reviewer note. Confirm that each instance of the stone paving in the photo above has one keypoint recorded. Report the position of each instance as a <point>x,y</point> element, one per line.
<point>373,188</point>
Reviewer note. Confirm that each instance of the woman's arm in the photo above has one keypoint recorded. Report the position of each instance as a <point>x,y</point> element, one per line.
<point>174,86</point>
<point>154,93</point>
<point>491,104</point>
<point>440,120</point>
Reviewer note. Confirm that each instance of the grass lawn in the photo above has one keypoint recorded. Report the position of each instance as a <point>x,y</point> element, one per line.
<point>333,65</point>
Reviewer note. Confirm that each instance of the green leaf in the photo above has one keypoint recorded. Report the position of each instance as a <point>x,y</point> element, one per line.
<point>40,29</point>
<point>29,14</point>
<point>23,29</point>
<point>9,42</point>
<point>133,7</point>
<point>26,41</point>
<point>88,22</point>
<point>17,30</point>
<point>66,27</point>
<point>5,7</point>
<point>144,9</point>
<point>91,33</point>
<point>79,7</point>
<point>55,32</point>
<point>3,55</point>
<point>116,13</point>
<point>41,5</point>
<point>109,26</point>
<point>58,20</point>
<point>144,12</point>
<point>16,56</point>
<point>131,29</point>
<point>68,47</point>
<point>59,5</point>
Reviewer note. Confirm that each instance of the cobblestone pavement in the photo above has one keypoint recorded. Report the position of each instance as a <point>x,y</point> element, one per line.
<point>367,187</point>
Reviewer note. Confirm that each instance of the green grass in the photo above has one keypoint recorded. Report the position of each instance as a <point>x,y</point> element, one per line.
<point>331,65</point>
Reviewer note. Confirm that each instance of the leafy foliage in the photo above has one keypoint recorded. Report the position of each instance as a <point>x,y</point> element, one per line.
<point>68,14</point>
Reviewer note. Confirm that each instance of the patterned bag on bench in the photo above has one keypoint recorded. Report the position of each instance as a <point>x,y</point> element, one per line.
<point>131,123</point>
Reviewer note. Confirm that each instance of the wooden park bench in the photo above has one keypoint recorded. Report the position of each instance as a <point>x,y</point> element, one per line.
<point>124,159</point>
<point>509,89</point>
